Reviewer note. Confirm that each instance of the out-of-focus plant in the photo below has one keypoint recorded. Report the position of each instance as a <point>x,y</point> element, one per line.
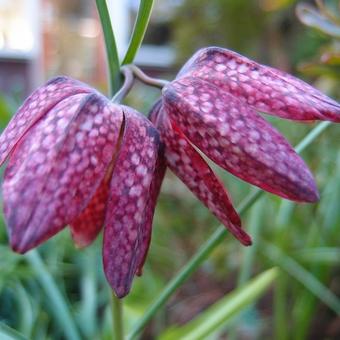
<point>325,19</point>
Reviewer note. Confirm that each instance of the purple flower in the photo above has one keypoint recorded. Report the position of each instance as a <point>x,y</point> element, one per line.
<point>212,105</point>
<point>77,159</point>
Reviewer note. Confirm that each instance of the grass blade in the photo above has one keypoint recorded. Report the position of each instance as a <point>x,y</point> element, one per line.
<point>302,275</point>
<point>111,47</point>
<point>57,300</point>
<point>8,333</point>
<point>226,308</point>
<point>321,255</point>
<point>141,24</point>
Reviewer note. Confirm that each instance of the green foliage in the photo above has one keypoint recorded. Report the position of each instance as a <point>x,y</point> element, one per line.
<point>211,320</point>
<point>206,23</point>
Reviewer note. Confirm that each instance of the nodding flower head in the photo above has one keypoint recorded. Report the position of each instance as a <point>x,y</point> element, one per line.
<point>77,159</point>
<point>212,105</point>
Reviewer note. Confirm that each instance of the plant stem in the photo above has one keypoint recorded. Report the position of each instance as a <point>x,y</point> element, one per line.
<point>144,78</point>
<point>139,29</point>
<point>205,250</point>
<point>126,87</point>
<point>111,47</point>
<point>130,72</point>
<point>117,317</point>
<point>114,85</point>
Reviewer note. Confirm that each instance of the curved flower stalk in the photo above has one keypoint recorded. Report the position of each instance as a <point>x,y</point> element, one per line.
<point>212,105</point>
<point>77,159</point>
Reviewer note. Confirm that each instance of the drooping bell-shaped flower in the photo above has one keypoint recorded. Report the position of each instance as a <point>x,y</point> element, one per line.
<point>77,159</point>
<point>213,104</point>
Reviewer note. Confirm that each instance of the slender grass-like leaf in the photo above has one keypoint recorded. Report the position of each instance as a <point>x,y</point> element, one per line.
<point>26,312</point>
<point>111,47</point>
<point>59,306</point>
<point>281,315</point>
<point>302,275</point>
<point>303,313</point>
<point>89,289</point>
<point>248,255</point>
<point>250,252</point>
<point>323,255</point>
<point>139,29</point>
<point>226,308</point>
<point>8,333</point>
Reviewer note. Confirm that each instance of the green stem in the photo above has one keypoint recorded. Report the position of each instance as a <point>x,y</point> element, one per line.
<point>114,85</point>
<point>126,87</point>
<point>117,317</point>
<point>206,249</point>
<point>144,78</point>
<point>130,72</point>
<point>111,47</point>
<point>280,310</point>
<point>141,24</point>
<point>311,136</point>
<point>249,253</point>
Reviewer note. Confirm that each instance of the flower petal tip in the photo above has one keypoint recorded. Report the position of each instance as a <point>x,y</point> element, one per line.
<point>117,278</point>
<point>247,241</point>
<point>19,247</point>
<point>313,196</point>
<point>121,292</point>
<point>242,236</point>
<point>306,192</point>
<point>80,244</point>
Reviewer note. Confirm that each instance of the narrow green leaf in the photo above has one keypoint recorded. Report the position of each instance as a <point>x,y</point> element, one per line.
<point>280,303</point>
<point>139,29</point>
<point>8,333</point>
<point>249,253</point>
<point>58,303</point>
<point>111,47</point>
<point>302,313</point>
<point>226,308</point>
<point>280,308</point>
<point>323,255</point>
<point>89,291</point>
<point>5,111</point>
<point>26,313</point>
<point>302,275</point>
<point>311,136</point>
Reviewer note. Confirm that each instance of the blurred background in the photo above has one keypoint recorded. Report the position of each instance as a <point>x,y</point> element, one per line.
<point>40,39</point>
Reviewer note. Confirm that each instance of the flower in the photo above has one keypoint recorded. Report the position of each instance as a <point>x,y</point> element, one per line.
<point>212,105</point>
<point>77,159</point>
